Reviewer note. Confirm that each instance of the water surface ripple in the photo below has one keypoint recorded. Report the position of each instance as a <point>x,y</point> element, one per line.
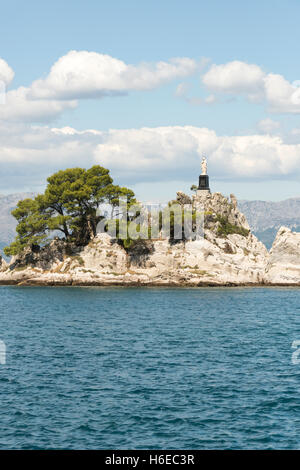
<point>145,368</point>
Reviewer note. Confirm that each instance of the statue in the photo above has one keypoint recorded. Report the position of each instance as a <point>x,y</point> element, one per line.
<point>203,187</point>
<point>204,166</point>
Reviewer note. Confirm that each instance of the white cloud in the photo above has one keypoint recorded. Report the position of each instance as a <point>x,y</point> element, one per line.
<point>19,107</point>
<point>210,99</point>
<point>83,74</point>
<point>165,152</point>
<point>182,90</point>
<point>268,126</point>
<point>240,78</point>
<point>29,154</point>
<point>295,131</point>
<point>234,77</point>
<point>151,153</point>
<point>281,95</point>
<point>6,72</point>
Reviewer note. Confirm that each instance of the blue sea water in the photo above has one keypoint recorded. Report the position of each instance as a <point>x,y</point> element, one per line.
<point>133,368</point>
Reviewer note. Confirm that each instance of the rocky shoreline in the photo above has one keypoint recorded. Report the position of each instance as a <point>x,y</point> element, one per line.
<point>40,282</point>
<point>74,283</point>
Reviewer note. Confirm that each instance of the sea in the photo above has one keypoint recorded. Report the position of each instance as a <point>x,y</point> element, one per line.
<point>149,368</point>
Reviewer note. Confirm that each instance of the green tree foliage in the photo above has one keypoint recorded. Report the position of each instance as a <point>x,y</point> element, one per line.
<point>69,205</point>
<point>225,228</point>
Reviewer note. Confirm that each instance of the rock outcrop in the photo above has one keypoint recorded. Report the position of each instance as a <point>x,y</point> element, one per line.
<point>183,198</point>
<point>228,254</point>
<point>283,265</point>
<point>234,260</point>
<point>3,264</point>
<point>218,205</point>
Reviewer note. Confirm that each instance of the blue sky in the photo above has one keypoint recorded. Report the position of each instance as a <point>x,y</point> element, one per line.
<point>265,34</point>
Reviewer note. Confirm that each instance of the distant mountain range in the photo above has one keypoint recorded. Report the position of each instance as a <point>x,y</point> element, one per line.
<point>7,221</point>
<point>264,217</point>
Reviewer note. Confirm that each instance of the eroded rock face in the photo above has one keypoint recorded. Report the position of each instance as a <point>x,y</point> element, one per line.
<point>183,198</point>
<point>3,264</point>
<point>217,204</point>
<point>236,259</point>
<point>45,258</point>
<point>283,265</point>
<point>103,255</point>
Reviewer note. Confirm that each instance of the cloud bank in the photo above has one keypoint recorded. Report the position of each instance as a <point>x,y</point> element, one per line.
<point>85,75</point>
<point>239,78</point>
<point>80,75</point>
<point>29,153</point>
<point>145,154</point>
<point>6,72</point>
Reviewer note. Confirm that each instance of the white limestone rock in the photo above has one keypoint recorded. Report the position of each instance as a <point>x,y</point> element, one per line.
<point>283,266</point>
<point>3,264</point>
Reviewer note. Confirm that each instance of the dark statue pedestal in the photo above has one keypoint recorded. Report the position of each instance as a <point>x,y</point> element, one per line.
<point>203,183</point>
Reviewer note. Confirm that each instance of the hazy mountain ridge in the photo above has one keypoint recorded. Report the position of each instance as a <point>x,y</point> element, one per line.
<point>262,215</point>
<point>266,217</point>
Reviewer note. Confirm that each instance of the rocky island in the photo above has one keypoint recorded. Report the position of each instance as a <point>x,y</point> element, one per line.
<point>219,258</point>
<point>226,254</point>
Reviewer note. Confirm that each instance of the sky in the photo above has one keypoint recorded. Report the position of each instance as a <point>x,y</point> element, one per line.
<point>146,88</point>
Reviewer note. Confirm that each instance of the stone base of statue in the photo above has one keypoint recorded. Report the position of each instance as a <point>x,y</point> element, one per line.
<point>202,192</point>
